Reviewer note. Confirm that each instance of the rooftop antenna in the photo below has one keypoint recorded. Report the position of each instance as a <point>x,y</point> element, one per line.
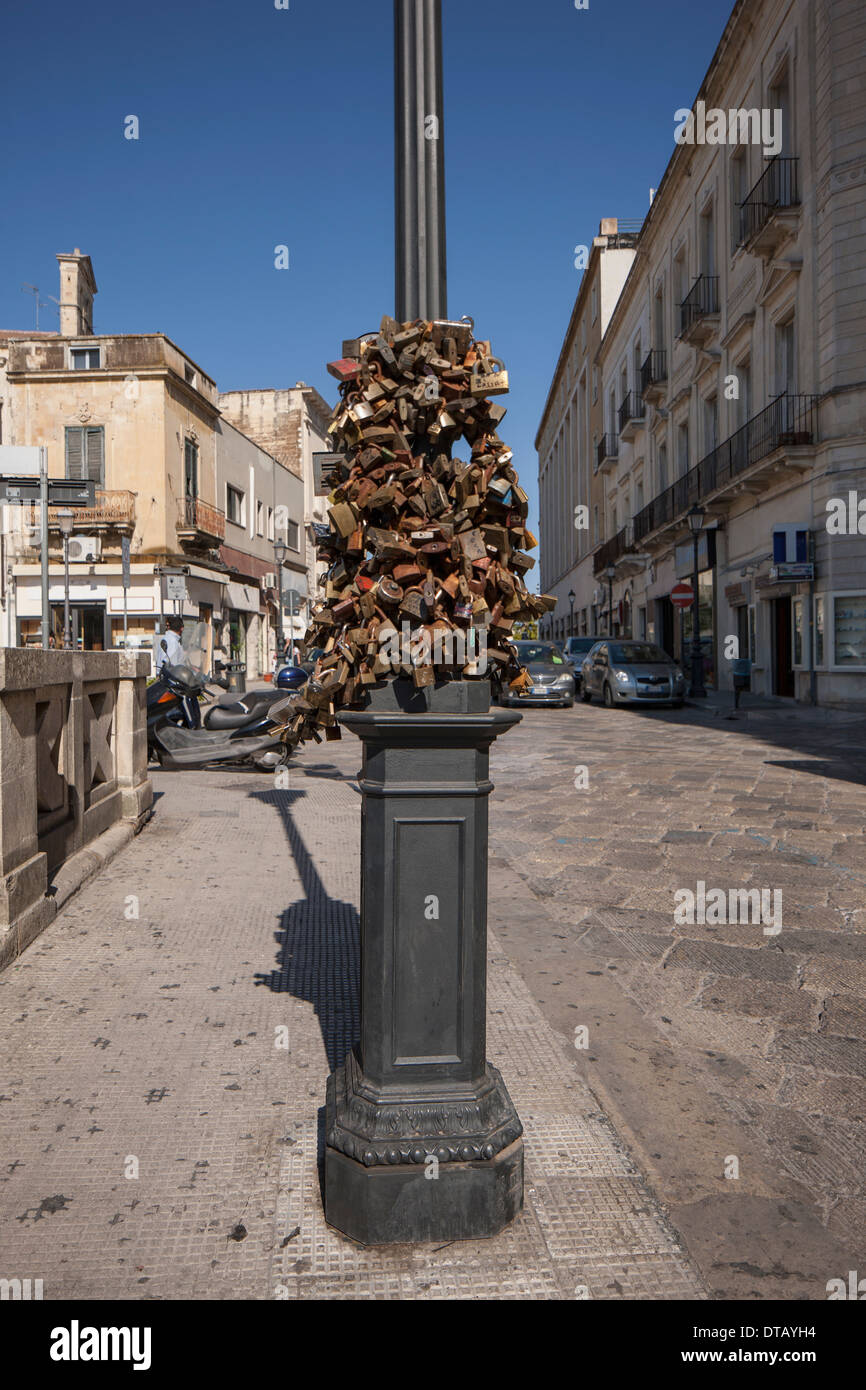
<point>40,304</point>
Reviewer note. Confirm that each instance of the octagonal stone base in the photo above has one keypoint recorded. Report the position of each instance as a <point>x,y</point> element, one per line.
<point>400,1203</point>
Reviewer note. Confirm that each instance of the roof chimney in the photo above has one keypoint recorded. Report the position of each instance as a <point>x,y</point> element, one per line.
<point>77,288</point>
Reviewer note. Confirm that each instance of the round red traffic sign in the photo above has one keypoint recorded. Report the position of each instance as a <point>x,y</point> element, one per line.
<point>682,596</point>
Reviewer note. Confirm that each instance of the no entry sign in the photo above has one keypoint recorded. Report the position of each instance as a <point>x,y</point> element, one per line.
<point>682,596</point>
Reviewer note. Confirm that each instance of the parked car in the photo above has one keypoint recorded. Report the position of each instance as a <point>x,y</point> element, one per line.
<point>576,648</point>
<point>551,675</point>
<point>636,673</point>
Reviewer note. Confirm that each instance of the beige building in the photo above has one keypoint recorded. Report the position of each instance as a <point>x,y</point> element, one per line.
<point>292,425</point>
<point>139,418</point>
<point>569,433</point>
<point>733,369</point>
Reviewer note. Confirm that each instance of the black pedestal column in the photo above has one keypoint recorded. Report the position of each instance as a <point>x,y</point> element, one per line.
<point>422,1140</point>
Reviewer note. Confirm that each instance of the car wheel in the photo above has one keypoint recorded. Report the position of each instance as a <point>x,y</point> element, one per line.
<point>569,704</point>
<point>608,696</point>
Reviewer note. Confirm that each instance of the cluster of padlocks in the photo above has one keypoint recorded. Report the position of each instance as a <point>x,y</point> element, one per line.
<point>420,545</point>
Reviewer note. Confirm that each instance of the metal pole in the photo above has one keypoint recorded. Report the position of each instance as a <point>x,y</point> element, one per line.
<point>43,502</point>
<point>280,639</point>
<point>697,659</point>
<point>67,635</point>
<point>419,205</point>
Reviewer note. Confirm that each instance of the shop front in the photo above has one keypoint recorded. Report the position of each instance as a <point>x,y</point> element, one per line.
<point>684,565</point>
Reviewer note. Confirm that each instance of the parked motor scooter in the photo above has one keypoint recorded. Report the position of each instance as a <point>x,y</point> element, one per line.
<point>235,729</point>
<point>251,728</point>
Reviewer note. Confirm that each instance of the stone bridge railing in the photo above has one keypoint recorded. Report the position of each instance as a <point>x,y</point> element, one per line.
<point>73,776</point>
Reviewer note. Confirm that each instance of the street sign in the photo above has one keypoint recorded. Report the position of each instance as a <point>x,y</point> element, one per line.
<point>175,587</point>
<point>19,460</point>
<point>62,492</point>
<point>798,572</point>
<point>682,596</point>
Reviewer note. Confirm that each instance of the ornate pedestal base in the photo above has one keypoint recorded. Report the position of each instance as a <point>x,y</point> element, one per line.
<point>421,1169</point>
<point>423,1141</point>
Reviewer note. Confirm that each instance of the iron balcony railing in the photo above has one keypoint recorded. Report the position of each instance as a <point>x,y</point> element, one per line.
<point>613,550</point>
<point>199,516</point>
<point>778,187</point>
<point>788,420</point>
<point>608,448</point>
<point>701,300</point>
<point>632,408</point>
<point>653,370</point>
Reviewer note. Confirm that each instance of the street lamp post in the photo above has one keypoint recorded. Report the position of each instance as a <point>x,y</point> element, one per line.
<point>696,526</point>
<point>611,576</point>
<point>571,597</point>
<point>279,556</point>
<point>66,519</point>
<point>422,1140</point>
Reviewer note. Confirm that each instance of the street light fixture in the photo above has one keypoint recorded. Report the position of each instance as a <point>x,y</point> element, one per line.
<point>611,576</point>
<point>571,597</point>
<point>67,521</point>
<point>696,525</point>
<point>279,556</point>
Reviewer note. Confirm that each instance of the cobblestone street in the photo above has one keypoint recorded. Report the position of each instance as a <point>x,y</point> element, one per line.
<point>708,1041</point>
<point>159,1143</point>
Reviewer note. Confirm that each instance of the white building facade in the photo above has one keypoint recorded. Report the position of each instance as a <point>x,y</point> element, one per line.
<point>733,370</point>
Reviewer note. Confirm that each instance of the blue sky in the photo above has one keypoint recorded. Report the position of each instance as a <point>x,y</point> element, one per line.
<point>261,127</point>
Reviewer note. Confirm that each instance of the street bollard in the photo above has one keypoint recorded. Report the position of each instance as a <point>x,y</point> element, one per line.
<point>423,1142</point>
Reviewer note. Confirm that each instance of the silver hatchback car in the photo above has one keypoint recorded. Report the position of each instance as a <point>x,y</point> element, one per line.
<point>551,676</point>
<point>632,673</point>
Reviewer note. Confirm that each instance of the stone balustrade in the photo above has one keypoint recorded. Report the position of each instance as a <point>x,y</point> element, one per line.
<point>73,776</point>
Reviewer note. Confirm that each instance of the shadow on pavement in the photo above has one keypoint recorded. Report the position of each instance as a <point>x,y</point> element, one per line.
<point>319,953</point>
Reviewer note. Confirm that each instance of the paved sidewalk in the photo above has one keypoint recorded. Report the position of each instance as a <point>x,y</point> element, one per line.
<point>157,1143</point>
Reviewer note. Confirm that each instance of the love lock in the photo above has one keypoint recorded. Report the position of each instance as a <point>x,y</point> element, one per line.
<point>487,382</point>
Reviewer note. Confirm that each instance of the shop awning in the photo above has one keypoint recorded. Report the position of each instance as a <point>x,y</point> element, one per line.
<point>244,597</point>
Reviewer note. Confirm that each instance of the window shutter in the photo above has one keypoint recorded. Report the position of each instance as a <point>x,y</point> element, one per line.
<point>75,453</point>
<point>95,456</point>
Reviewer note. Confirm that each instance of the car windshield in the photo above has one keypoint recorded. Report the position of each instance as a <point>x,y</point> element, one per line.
<point>637,653</point>
<point>580,644</point>
<point>539,651</point>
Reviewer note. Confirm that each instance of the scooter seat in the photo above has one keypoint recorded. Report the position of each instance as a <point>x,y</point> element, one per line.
<point>240,712</point>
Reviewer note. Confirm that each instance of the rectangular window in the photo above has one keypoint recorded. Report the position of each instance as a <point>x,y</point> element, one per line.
<point>849,630</point>
<point>84,359</point>
<point>270,523</point>
<point>595,531</point>
<point>680,284</point>
<point>190,468</point>
<point>819,630</point>
<point>594,303</point>
<point>797,617</point>
<point>260,518</point>
<point>786,375</point>
<point>659,333</point>
<point>739,193</point>
<point>292,535</point>
<point>85,453</point>
<point>780,100</point>
<point>663,467</point>
<point>711,424</point>
<point>683,449</point>
<point>189,374</point>
<point>744,386</point>
<point>708,242</point>
<point>235,505</point>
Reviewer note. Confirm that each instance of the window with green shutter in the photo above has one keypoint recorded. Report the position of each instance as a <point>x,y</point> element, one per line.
<point>85,453</point>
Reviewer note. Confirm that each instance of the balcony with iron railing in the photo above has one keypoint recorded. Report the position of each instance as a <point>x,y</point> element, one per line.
<point>654,374</point>
<point>788,422</point>
<point>699,309</point>
<point>613,550</point>
<point>199,523</point>
<point>113,511</point>
<point>769,213</point>
<point>631,415</point>
<point>607,452</point>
